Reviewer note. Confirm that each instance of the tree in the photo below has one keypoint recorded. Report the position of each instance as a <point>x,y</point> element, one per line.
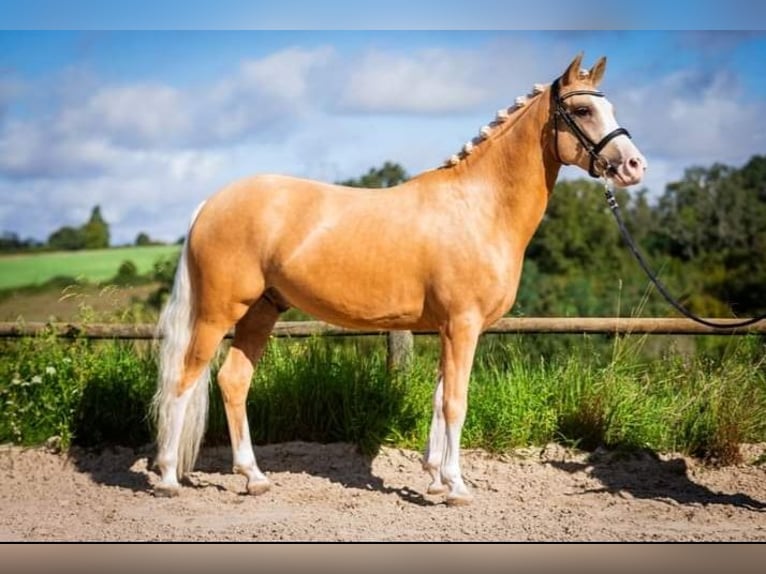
<point>127,274</point>
<point>163,273</point>
<point>10,242</point>
<point>577,262</point>
<point>66,239</point>
<point>96,231</point>
<point>142,239</point>
<point>94,234</point>
<point>714,222</point>
<point>388,175</point>
<point>577,232</point>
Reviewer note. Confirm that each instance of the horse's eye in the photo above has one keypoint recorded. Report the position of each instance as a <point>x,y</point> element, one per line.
<point>582,112</point>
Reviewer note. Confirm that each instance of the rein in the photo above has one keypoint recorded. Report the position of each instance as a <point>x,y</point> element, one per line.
<point>593,148</point>
<point>614,206</point>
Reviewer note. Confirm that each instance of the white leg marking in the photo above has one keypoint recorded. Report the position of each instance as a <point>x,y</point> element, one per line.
<point>244,462</point>
<point>458,492</point>
<point>432,461</point>
<point>167,458</point>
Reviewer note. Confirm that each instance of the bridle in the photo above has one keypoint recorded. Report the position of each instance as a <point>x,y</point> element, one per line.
<point>593,148</point>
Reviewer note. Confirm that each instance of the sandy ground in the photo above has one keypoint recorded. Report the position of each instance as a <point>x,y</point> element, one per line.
<point>331,493</point>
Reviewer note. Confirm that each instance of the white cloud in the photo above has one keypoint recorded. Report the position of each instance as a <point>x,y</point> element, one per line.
<point>694,119</point>
<point>28,150</point>
<point>431,81</point>
<point>285,75</point>
<point>134,115</point>
<point>110,127</point>
<point>264,95</point>
<point>456,80</point>
<point>150,191</point>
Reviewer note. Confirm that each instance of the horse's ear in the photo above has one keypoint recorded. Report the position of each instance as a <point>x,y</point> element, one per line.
<point>597,71</point>
<point>573,71</point>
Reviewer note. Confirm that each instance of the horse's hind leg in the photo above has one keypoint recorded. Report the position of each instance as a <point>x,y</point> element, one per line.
<point>182,407</point>
<point>250,337</point>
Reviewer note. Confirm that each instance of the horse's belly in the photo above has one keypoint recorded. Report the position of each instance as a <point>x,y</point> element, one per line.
<point>354,297</point>
<point>349,308</point>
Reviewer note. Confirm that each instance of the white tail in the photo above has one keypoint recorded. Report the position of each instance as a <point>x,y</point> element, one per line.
<point>174,327</point>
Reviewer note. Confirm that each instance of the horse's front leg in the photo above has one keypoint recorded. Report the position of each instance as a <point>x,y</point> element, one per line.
<point>434,455</point>
<point>458,339</point>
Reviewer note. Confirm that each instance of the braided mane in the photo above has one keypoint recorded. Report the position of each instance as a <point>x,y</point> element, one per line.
<point>501,118</point>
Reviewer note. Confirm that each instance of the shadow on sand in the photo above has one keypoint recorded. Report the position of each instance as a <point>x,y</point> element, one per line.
<point>340,463</point>
<point>644,475</point>
<point>113,466</point>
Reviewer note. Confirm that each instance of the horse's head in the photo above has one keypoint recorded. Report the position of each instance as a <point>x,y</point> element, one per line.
<point>585,132</point>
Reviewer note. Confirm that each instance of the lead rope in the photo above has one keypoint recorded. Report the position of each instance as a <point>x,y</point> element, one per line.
<point>614,206</point>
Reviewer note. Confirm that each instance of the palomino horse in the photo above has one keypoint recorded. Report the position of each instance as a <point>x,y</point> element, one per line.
<point>441,252</point>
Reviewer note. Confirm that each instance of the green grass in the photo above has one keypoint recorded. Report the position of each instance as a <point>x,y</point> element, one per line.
<point>91,266</point>
<point>328,390</point>
<point>94,392</point>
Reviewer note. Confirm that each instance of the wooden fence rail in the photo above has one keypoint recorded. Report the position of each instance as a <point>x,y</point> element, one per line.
<point>508,325</point>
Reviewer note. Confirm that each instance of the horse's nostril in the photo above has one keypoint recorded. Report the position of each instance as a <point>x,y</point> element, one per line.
<point>635,164</point>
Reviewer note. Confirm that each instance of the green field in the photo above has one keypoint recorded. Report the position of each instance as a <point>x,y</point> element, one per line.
<point>91,266</point>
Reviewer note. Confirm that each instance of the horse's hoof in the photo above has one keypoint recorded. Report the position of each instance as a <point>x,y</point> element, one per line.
<point>259,487</point>
<point>437,489</point>
<point>166,491</point>
<point>463,499</point>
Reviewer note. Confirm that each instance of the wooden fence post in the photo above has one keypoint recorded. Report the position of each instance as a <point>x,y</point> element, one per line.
<point>400,348</point>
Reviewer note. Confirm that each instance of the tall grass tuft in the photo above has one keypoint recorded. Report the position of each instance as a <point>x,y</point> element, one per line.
<point>697,405</point>
<point>116,391</point>
<point>322,391</point>
<point>511,401</point>
<point>722,401</point>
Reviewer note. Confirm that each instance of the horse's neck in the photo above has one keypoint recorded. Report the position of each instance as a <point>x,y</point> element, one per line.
<point>516,172</point>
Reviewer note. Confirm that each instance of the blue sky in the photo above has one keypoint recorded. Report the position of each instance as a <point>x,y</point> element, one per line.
<point>149,123</point>
<point>392,14</point>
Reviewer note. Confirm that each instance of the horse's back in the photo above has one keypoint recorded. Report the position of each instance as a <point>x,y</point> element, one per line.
<point>275,213</point>
<point>334,251</point>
